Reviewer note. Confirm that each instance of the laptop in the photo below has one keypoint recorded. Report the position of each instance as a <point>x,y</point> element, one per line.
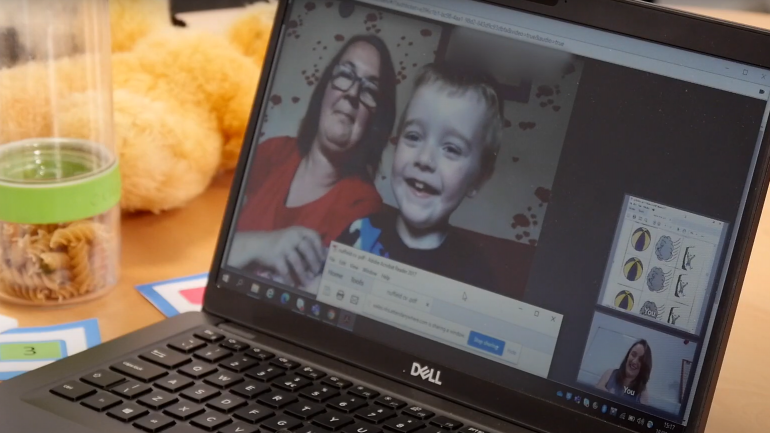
<point>459,216</point>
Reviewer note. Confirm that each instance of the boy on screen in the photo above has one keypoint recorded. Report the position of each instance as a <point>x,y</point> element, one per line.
<point>448,140</point>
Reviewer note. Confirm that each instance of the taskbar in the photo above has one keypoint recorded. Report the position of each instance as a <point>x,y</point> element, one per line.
<point>607,410</point>
<point>288,298</point>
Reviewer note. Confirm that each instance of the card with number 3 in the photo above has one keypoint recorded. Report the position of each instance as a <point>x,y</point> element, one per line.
<point>25,349</point>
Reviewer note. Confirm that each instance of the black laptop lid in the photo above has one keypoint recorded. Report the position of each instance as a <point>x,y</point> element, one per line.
<point>520,213</point>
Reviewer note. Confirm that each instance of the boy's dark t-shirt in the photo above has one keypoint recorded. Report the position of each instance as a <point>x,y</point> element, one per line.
<point>456,258</point>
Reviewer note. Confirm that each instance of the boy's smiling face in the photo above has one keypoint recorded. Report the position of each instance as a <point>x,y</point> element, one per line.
<point>437,162</point>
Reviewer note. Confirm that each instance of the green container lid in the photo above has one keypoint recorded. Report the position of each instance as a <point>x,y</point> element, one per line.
<point>53,180</point>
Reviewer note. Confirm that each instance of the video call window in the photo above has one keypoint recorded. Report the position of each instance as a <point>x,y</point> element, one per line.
<point>662,264</point>
<point>656,289</point>
<point>636,366</point>
<point>378,124</point>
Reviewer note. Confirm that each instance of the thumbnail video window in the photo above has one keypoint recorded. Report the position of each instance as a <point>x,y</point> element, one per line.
<point>662,265</point>
<point>635,365</point>
<point>377,134</point>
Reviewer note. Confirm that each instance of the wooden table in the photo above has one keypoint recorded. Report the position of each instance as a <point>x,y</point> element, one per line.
<point>179,243</point>
<point>155,247</point>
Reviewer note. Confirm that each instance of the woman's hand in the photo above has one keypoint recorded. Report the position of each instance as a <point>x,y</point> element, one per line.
<point>296,253</point>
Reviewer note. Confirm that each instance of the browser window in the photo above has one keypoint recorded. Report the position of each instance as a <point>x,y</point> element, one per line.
<point>545,206</point>
<point>456,314</point>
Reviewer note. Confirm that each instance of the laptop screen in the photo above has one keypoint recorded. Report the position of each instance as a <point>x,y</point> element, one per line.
<point>547,206</point>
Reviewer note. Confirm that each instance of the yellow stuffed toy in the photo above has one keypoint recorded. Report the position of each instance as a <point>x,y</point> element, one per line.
<point>181,98</point>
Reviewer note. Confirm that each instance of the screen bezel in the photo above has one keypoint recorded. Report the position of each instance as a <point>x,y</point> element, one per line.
<point>729,41</point>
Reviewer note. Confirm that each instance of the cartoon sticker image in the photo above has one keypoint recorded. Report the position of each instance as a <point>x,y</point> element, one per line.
<point>673,316</point>
<point>651,309</point>
<point>641,239</point>
<point>687,258</point>
<point>624,300</point>
<point>681,286</point>
<point>633,269</point>
<point>666,249</point>
<point>658,280</point>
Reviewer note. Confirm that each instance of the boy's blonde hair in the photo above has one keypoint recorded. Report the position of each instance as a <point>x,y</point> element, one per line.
<point>459,80</point>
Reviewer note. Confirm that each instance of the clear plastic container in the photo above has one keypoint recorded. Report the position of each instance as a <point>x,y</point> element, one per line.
<point>59,178</point>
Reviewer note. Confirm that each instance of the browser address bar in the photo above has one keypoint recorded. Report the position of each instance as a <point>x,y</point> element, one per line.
<point>598,52</point>
<point>465,20</point>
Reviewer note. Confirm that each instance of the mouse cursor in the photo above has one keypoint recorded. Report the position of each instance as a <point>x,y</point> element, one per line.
<point>465,296</point>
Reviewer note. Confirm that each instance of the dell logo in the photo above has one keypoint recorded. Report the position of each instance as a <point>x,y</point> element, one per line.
<point>429,374</point>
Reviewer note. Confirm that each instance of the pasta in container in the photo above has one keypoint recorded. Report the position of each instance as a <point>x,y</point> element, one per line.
<point>59,175</point>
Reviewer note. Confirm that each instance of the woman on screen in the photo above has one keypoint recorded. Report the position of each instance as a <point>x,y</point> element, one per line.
<point>303,191</point>
<point>629,381</point>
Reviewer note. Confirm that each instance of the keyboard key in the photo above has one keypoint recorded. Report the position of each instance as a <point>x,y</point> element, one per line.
<point>73,391</point>
<point>375,414</point>
<point>131,389</point>
<point>404,424</point>
<point>101,402</point>
<point>281,422</point>
<point>239,427</point>
<point>250,389</point>
<point>224,380</point>
<point>174,383</point>
<point>197,370</point>
<point>209,336</point>
<point>187,345</point>
<point>418,412</point>
<point>253,414</point>
<point>285,363</point>
<point>227,403</point>
<point>470,429</point>
<point>361,428</point>
<point>446,423</point>
<point>200,393</point>
<point>260,354</point>
<point>158,400</point>
<point>363,391</point>
<point>154,423</point>
<point>139,370</point>
<point>277,399</point>
<point>239,364</point>
<point>165,357</point>
<point>292,383</point>
<point>304,410</point>
<point>332,421</point>
<point>103,379</point>
<point>211,421</point>
<point>311,429</point>
<point>127,412</point>
<point>432,429</point>
<point>234,345</point>
<point>183,410</point>
<point>391,402</point>
<point>182,428</point>
<point>320,393</point>
<point>264,374</point>
<point>311,373</point>
<point>213,354</point>
<point>337,382</point>
<point>347,403</point>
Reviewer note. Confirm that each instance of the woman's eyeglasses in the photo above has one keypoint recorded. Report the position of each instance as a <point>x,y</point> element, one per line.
<point>343,79</point>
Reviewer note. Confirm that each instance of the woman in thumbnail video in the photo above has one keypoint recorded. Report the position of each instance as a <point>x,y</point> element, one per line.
<point>629,381</point>
<point>305,190</point>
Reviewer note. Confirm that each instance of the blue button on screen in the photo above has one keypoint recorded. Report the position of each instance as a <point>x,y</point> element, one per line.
<point>486,343</point>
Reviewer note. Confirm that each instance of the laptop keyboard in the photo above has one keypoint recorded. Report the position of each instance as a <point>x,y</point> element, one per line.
<point>209,382</point>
